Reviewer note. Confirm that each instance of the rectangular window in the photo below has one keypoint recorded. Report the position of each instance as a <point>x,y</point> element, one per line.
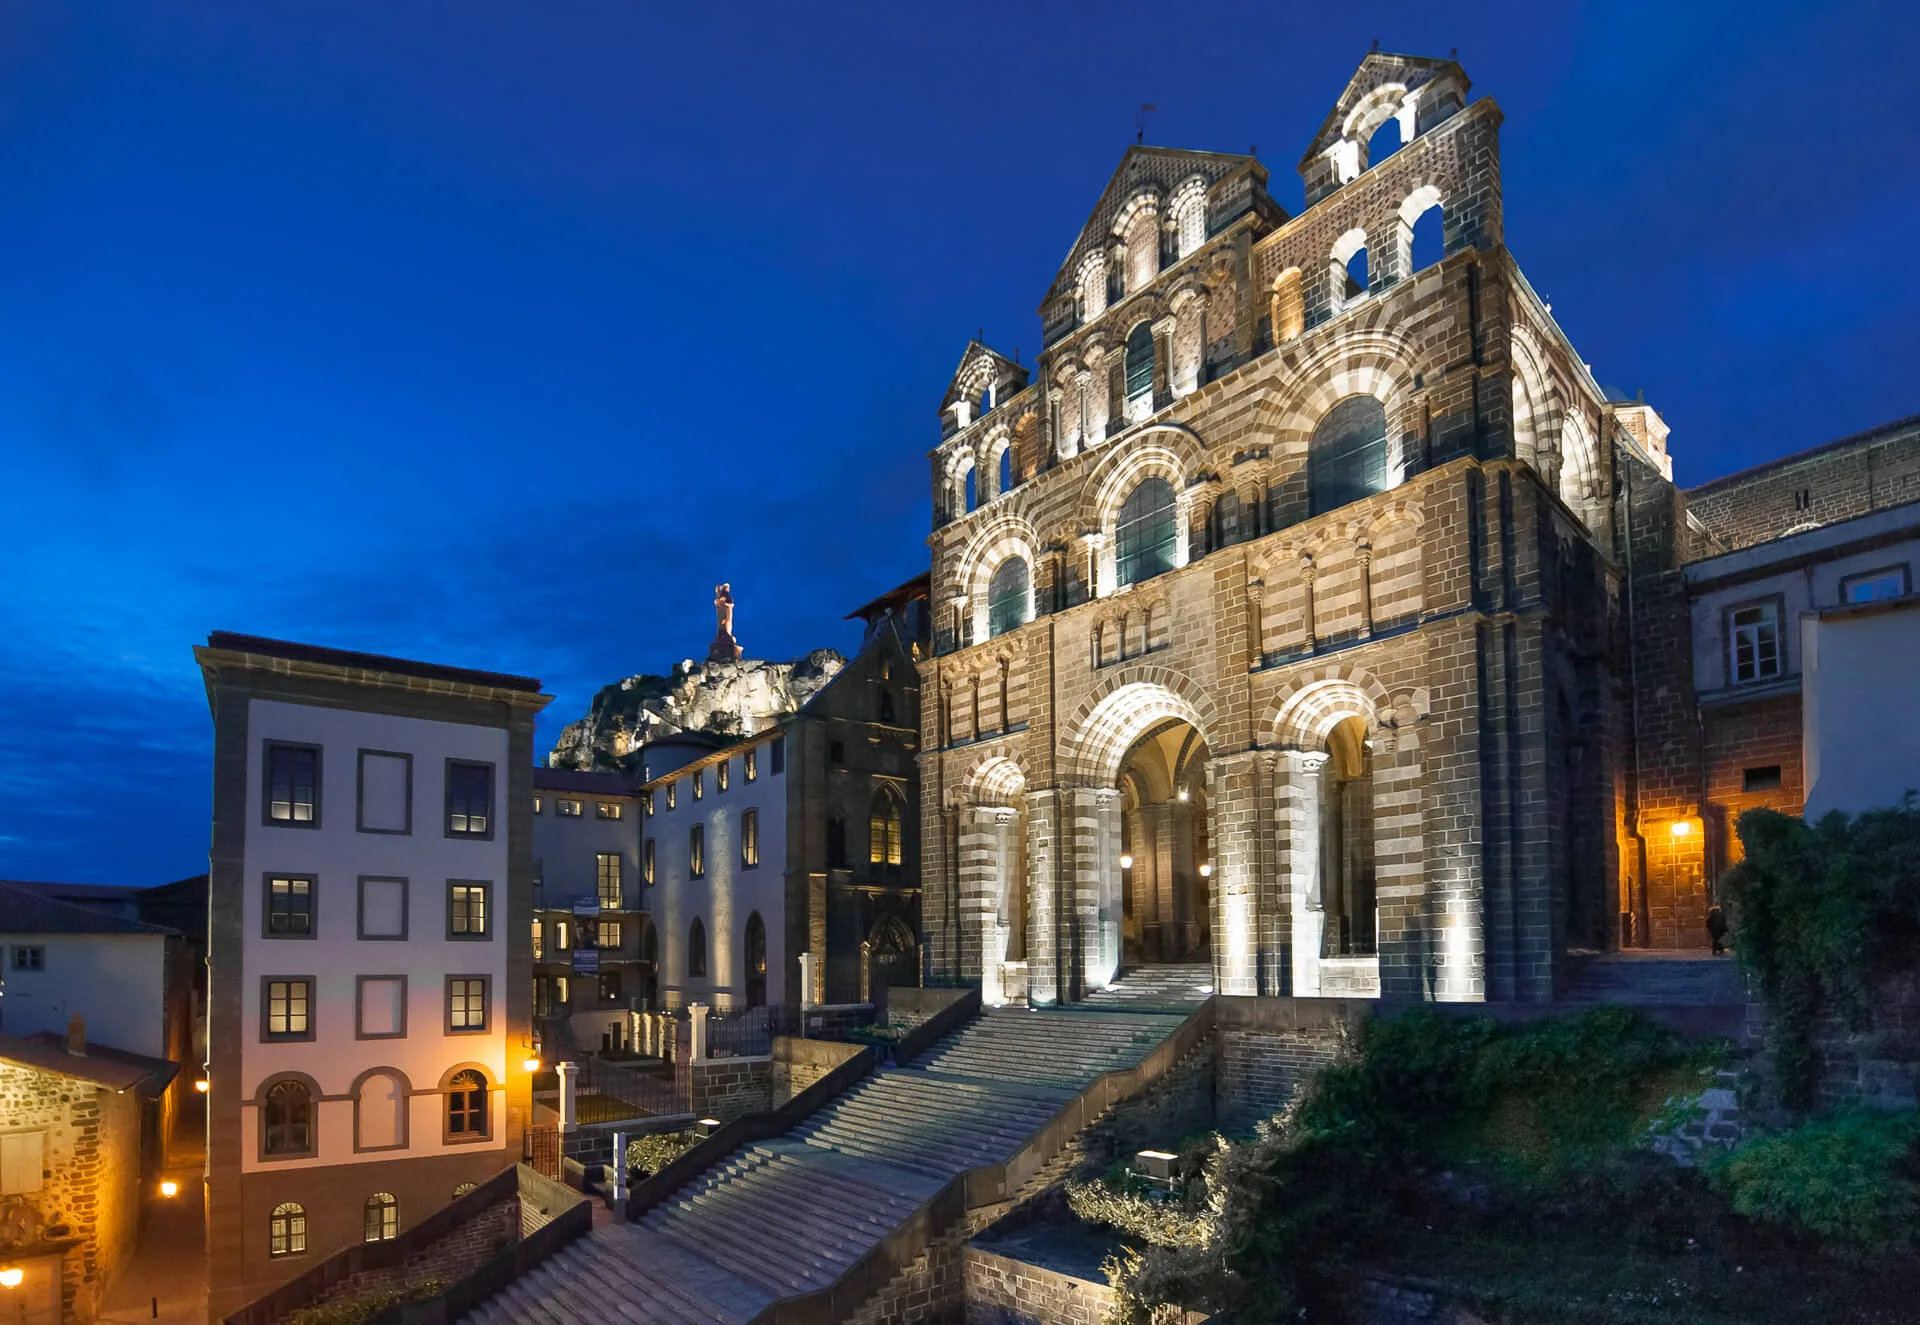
<point>289,906</point>
<point>542,996</point>
<point>469,799</point>
<point>1753,637</point>
<point>672,794</point>
<point>380,1007</point>
<point>646,861</point>
<point>1874,585</point>
<point>750,839</point>
<point>23,1163</point>
<point>646,800</point>
<point>539,943</point>
<point>699,783</point>
<point>720,772</point>
<point>836,752</point>
<point>561,936</point>
<point>608,810</point>
<point>777,755</point>
<point>1765,778</point>
<point>293,785</point>
<point>750,764</point>
<point>607,879</point>
<point>537,803</point>
<point>567,809</point>
<point>697,851</point>
<point>30,957</point>
<point>562,987</point>
<point>609,986</point>
<point>467,911</point>
<point>385,792</point>
<point>467,1004</point>
<point>609,933</point>
<point>287,1008</point>
<point>383,908</point>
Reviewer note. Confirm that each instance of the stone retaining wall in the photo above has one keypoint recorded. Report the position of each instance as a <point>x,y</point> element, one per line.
<point>1003,1291</point>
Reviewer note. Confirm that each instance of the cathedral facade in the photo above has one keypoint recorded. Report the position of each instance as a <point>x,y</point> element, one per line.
<point>1280,609</point>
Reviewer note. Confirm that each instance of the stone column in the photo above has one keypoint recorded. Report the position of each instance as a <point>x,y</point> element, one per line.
<point>1240,828</point>
<point>1152,882</point>
<point>1257,619</point>
<point>1364,552</point>
<point>1399,870</point>
<point>569,1074</point>
<point>1297,800</point>
<point>1163,362</point>
<point>808,963</point>
<point>995,931</point>
<point>697,1022</point>
<point>1092,882</point>
<point>979,869</point>
<point>1307,572</point>
<point>1045,852</point>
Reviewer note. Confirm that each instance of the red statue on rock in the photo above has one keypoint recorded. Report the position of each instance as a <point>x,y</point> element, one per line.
<point>724,647</point>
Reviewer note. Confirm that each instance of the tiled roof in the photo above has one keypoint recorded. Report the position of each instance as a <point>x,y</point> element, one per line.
<point>102,1064</point>
<point>227,641</point>
<point>26,909</point>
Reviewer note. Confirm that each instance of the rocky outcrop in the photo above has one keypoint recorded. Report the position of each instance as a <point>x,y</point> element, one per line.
<point>725,699</point>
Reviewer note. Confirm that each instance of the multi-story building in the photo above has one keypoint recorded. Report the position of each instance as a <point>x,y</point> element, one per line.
<point>1309,609</point>
<point>369,911</point>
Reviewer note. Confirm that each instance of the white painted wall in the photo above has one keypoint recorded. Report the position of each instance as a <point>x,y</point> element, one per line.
<point>1860,707</point>
<point>116,982</point>
<point>728,894</point>
<point>338,854</point>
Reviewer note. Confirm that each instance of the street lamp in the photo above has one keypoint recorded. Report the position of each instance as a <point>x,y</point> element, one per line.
<point>12,1277</point>
<point>169,1188</point>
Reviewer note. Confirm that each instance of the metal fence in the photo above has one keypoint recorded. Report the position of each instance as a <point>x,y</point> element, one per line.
<point>608,1090</point>
<point>541,1151</point>
<point>750,1031</point>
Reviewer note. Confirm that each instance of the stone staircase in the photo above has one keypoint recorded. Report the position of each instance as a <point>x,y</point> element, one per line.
<point>789,1216</point>
<point>1656,978</point>
<point>1182,985</point>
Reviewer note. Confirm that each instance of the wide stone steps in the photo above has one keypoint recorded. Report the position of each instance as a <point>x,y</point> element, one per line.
<point>789,1216</point>
<point>1657,978</point>
<point>1175,986</point>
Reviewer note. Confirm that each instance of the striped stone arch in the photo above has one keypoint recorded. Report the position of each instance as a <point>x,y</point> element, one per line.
<point>996,779</point>
<point>1147,199</point>
<point>1537,408</point>
<point>1369,361</point>
<point>1312,704</point>
<point>1171,450</point>
<point>1402,510</point>
<point>1138,697</point>
<point>1006,535</point>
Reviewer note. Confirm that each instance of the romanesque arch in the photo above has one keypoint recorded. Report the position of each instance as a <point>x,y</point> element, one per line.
<point>1134,700</point>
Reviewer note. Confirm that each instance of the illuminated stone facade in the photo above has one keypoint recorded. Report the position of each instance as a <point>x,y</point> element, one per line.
<point>1311,665</point>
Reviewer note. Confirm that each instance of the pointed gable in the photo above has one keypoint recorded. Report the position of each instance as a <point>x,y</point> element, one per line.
<point>1418,90</point>
<point>982,369</point>
<point>1158,173</point>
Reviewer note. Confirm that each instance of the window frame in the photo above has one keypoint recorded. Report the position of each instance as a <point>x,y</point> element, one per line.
<point>485,935</point>
<point>722,776</point>
<point>566,807</point>
<point>448,1136</point>
<point>1338,466</point>
<point>749,765</point>
<point>384,1206</point>
<point>699,784</point>
<point>1755,786</point>
<point>610,810</point>
<point>600,861</point>
<point>697,851</point>
<point>406,1109</point>
<point>267,747</point>
<point>486,1003</point>
<point>607,934</point>
<point>602,986</point>
<point>267,1035</point>
<point>1023,597</point>
<point>360,908</point>
<point>1123,523</point>
<point>1900,568</point>
<point>750,838</point>
<point>647,861</point>
<point>22,950</point>
<point>263,1102</point>
<point>698,970</point>
<point>777,756</point>
<point>360,792</point>
<point>1777,602</point>
<point>289,1211</point>
<point>359,1008</point>
<point>493,789</point>
<point>267,880</point>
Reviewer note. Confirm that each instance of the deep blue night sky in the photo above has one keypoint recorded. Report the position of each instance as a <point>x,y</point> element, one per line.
<point>496,333</point>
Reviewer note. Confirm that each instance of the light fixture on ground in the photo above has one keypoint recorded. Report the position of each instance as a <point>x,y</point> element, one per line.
<point>706,1126</point>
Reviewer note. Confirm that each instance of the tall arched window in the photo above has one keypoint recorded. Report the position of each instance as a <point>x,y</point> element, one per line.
<point>382,1217</point>
<point>696,950</point>
<point>467,1114</point>
<point>1006,468</point>
<point>1007,596</point>
<point>1347,459</point>
<point>287,1230</point>
<point>288,1120</point>
<point>884,829</point>
<point>1140,362</point>
<point>756,951</point>
<point>1145,533</point>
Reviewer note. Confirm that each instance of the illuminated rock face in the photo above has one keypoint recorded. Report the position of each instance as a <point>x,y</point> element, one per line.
<point>721,698</point>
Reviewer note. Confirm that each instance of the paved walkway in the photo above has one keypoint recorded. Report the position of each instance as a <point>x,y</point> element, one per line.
<point>169,1266</point>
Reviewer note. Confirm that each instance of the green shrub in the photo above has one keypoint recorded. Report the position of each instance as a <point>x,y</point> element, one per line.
<point>353,1310</point>
<point>1817,909</point>
<point>1851,1178</point>
<point>647,1155</point>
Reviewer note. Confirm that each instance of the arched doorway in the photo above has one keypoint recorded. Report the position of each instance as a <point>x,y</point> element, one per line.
<point>889,957</point>
<point>756,961</point>
<point>1165,862</point>
<point>993,843</point>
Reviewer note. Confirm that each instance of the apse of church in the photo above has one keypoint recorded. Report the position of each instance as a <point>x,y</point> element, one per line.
<point>1275,605</point>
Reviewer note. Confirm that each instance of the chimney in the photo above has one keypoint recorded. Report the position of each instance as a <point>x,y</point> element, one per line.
<point>77,1036</point>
